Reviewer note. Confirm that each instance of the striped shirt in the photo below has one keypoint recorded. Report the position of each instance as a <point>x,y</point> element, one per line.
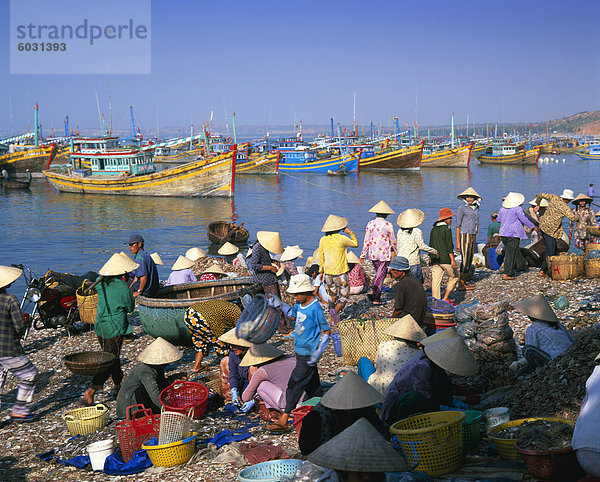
<point>332,253</point>
<point>551,221</point>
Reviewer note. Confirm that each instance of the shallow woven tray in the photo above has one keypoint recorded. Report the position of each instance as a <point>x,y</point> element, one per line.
<point>89,362</point>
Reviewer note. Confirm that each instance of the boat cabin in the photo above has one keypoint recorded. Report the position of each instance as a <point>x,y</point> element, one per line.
<point>498,150</point>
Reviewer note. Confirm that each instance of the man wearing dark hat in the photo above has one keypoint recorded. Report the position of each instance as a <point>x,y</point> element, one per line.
<point>409,297</point>
<point>145,281</point>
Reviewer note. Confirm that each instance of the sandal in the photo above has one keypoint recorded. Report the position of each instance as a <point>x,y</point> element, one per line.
<point>32,417</point>
<point>275,428</point>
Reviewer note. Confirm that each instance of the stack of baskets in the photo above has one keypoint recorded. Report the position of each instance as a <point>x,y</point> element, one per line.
<point>86,420</point>
<point>171,454</point>
<point>431,442</point>
<point>182,396</point>
<point>135,430</point>
<point>174,426</point>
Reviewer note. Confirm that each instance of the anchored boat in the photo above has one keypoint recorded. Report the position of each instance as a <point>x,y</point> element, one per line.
<point>163,315</point>
<point>592,154</point>
<point>505,154</point>
<point>440,156</point>
<point>392,159</point>
<point>132,172</point>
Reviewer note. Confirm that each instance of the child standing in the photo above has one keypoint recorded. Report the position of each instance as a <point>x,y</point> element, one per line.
<point>309,346</point>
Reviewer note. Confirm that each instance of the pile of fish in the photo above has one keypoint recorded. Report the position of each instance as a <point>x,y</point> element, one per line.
<point>77,446</point>
<point>540,434</point>
<point>204,263</point>
<point>558,387</point>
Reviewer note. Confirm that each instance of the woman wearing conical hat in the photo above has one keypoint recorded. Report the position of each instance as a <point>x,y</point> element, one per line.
<point>12,358</point>
<point>181,272</point>
<point>585,217</point>
<point>356,275</point>
<point>533,213</point>
<point>146,380</point>
<point>512,222</point>
<point>234,377</point>
<point>467,226</point>
<point>410,240</point>
<point>213,273</point>
<point>261,263</point>
<point>232,255</point>
<point>422,385</point>
<point>378,245</point>
<point>288,260</point>
<point>333,262</point>
<point>115,300</point>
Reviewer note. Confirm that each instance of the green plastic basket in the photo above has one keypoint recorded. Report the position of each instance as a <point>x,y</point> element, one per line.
<point>471,429</point>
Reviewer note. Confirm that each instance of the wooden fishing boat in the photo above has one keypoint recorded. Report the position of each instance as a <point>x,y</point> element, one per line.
<point>592,154</point>
<point>449,157</point>
<point>392,159</point>
<point>504,154</point>
<point>218,233</point>
<point>122,171</point>
<point>258,163</point>
<point>163,315</point>
<point>350,162</point>
<point>169,155</point>
<point>15,184</point>
<point>29,158</point>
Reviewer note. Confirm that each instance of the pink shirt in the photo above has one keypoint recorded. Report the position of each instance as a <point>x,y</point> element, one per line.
<point>379,240</point>
<point>277,372</point>
<point>356,276</point>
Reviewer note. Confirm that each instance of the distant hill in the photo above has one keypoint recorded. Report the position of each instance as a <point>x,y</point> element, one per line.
<point>587,122</point>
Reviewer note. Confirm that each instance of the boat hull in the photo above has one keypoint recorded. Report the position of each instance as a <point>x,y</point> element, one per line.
<point>199,178</point>
<point>395,159</point>
<point>589,157</point>
<point>163,316</point>
<point>217,233</point>
<point>347,163</point>
<point>457,157</point>
<point>32,160</point>
<point>524,158</point>
<point>262,164</point>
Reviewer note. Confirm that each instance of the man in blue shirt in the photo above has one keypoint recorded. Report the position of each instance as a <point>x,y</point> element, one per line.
<point>145,281</point>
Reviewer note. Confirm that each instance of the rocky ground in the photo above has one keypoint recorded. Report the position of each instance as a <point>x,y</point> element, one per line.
<point>57,389</point>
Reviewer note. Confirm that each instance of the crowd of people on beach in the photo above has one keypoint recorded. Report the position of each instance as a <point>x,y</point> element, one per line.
<point>409,373</point>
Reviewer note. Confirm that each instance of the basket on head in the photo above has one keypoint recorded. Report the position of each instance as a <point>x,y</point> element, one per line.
<point>174,426</point>
<point>89,362</point>
<point>182,395</point>
<point>258,322</point>
<point>431,442</point>
<point>86,420</point>
<point>87,304</point>
<point>170,455</point>
<point>135,430</point>
<point>271,471</point>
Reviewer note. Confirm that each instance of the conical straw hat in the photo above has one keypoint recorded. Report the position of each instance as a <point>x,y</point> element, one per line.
<point>359,448</point>
<point>469,192</point>
<point>228,249</point>
<point>334,223</point>
<point>544,203</point>
<point>453,355</point>
<point>160,352</point>
<point>351,392</point>
<point>270,240</point>
<point>249,253</point>
<point>260,354</point>
<point>411,218</point>
<point>352,258</point>
<point>381,208</point>
<point>156,258</point>
<point>231,338</point>
<point>406,328</point>
<point>537,307</point>
<point>291,252</point>
<point>581,197</point>
<point>118,264</point>
<point>8,275</point>
<point>440,335</point>
<point>512,200</point>
<point>123,253</point>
<point>182,263</point>
<point>215,269</point>
<point>195,254</point>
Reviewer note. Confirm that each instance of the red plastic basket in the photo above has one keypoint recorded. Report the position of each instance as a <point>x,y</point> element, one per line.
<point>133,431</point>
<point>182,395</point>
<point>299,413</point>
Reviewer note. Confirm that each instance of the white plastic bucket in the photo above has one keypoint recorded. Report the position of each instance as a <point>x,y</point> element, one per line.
<point>495,416</point>
<point>98,452</point>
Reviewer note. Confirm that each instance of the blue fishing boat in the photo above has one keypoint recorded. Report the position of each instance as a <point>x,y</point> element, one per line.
<point>592,154</point>
<point>307,161</point>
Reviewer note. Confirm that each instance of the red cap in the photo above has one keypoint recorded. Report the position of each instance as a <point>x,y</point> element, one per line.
<point>445,213</point>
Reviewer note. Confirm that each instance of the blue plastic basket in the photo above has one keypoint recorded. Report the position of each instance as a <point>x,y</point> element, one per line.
<point>258,322</point>
<point>269,471</point>
<point>337,343</point>
<point>439,306</point>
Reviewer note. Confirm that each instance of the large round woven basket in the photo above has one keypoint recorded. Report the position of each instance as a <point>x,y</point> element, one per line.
<point>592,268</point>
<point>86,420</point>
<point>591,246</point>
<point>564,267</point>
<point>87,305</point>
<point>89,362</point>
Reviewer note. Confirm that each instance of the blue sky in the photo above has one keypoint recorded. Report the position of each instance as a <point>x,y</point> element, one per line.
<point>506,61</point>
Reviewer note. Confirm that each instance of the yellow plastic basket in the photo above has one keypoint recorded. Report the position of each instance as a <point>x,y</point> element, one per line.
<point>87,420</point>
<point>170,455</point>
<point>431,442</point>
<point>506,446</point>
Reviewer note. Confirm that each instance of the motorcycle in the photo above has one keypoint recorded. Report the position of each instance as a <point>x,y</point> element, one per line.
<point>48,301</point>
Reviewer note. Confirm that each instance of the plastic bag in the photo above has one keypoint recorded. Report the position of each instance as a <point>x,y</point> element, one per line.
<point>464,312</point>
<point>494,323</point>
<point>593,254</point>
<point>467,329</point>
<point>561,303</point>
<point>484,312</point>
<point>495,335</point>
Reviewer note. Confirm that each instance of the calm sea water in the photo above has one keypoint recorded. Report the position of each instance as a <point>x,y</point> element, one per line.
<point>45,229</point>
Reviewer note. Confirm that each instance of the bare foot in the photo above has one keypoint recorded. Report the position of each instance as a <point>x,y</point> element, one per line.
<point>89,396</point>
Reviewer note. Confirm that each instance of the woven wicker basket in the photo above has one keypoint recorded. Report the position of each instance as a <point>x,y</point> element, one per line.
<point>592,268</point>
<point>563,267</point>
<point>87,305</point>
<point>362,338</point>
<point>590,246</point>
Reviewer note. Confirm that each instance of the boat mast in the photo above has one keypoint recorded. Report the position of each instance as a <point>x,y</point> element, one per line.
<point>37,132</point>
<point>191,135</point>
<point>132,121</point>
<point>233,125</point>
<point>452,132</point>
